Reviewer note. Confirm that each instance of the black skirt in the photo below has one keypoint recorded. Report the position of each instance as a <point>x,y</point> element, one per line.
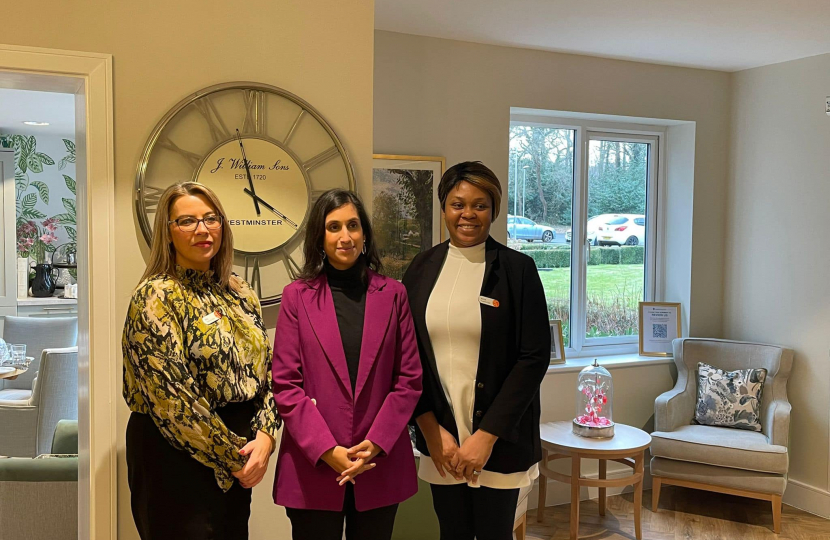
<point>175,496</point>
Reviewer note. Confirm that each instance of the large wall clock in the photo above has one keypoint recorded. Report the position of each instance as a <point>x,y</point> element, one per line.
<point>291,156</point>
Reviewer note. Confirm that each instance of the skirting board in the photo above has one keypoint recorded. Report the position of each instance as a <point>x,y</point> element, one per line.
<point>560,493</point>
<point>808,498</point>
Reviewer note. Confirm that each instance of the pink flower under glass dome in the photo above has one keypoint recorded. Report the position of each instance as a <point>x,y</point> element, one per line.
<point>594,403</point>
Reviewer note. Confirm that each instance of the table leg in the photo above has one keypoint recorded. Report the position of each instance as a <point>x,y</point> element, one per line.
<point>603,467</point>
<point>543,489</point>
<point>638,495</point>
<point>575,475</point>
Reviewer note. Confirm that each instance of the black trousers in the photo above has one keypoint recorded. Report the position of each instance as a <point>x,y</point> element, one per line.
<point>465,513</point>
<point>174,496</point>
<point>374,524</point>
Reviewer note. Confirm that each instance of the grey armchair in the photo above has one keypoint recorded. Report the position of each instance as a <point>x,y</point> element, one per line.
<point>40,496</point>
<point>28,426</point>
<point>37,333</point>
<point>725,460</point>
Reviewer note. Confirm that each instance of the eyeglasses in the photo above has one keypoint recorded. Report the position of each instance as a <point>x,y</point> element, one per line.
<point>190,224</point>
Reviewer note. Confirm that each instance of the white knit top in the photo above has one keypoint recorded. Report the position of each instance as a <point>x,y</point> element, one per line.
<point>453,320</point>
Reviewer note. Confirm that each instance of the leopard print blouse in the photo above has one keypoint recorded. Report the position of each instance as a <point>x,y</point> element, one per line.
<point>191,346</point>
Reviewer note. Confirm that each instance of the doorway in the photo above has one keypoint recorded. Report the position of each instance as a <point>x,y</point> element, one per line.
<point>85,79</point>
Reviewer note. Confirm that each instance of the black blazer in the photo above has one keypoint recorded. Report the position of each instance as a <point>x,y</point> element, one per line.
<point>513,359</point>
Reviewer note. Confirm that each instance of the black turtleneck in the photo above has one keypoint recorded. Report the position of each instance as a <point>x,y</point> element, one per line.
<point>348,290</point>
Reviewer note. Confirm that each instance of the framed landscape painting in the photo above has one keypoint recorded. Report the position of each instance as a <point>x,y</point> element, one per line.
<point>406,215</point>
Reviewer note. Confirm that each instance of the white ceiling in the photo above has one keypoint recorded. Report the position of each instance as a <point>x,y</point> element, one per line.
<point>727,35</point>
<point>18,106</point>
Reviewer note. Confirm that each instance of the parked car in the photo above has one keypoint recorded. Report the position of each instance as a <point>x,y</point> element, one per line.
<point>521,228</point>
<point>593,223</point>
<point>622,230</point>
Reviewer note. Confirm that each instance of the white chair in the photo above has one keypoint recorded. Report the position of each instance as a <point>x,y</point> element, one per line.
<point>37,333</point>
<point>29,425</point>
<point>732,461</point>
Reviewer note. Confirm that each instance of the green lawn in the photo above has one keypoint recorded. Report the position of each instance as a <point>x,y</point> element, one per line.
<point>606,282</point>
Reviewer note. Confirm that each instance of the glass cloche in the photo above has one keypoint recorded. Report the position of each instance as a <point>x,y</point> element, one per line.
<point>594,396</point>
<point>65,256</point>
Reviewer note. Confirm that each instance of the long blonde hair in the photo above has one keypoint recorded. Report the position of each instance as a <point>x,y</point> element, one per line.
<point>163,254</point>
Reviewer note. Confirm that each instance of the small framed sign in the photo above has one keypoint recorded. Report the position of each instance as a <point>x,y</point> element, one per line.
<point>659,326</point>
<point>557,343</point>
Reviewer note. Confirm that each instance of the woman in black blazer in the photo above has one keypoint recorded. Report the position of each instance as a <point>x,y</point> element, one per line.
<point>481,321</point>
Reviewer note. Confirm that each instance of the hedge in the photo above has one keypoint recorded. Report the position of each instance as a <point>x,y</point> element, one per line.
<point>536,246</point>
<point>561,256</point>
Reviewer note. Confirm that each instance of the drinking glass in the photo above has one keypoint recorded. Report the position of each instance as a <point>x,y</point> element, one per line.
<point>19,355</point>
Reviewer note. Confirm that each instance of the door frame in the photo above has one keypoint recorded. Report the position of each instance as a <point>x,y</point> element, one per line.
<point>89,77</point>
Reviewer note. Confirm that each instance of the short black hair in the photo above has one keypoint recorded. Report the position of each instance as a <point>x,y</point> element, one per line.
<point>477,174</point>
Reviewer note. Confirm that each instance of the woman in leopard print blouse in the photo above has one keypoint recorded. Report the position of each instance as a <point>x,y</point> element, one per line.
<point>197,371</point>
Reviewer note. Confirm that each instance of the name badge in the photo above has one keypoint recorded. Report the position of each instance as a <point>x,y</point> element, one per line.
<point>488,301</point>
<point>211,318</point>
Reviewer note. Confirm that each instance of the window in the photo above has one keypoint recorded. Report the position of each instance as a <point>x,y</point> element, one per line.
<point>594,191</point>
<point>617,221</point>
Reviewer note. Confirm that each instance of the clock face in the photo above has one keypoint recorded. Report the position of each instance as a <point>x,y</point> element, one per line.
<point>291,156</point>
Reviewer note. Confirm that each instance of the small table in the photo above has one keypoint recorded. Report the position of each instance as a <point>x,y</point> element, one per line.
<point>6,374</point>
<point>627,446</point>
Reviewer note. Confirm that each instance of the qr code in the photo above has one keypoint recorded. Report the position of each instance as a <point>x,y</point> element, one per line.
<point>659,331</point>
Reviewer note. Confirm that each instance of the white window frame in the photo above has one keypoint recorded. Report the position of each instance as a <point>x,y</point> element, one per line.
<point>584,131</point>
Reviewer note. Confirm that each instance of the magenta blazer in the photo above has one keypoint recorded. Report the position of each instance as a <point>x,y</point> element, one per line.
<point>309,363</point>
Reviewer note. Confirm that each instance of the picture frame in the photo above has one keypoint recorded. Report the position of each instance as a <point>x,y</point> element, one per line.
<point>557,342</point>
<point>659,325</point>
<point>406,214</point>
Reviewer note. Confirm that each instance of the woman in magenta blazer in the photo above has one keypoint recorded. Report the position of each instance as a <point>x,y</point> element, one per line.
<point>347,377</point>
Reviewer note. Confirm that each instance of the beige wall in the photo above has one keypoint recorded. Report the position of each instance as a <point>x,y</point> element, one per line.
<point>777,256</point>
<point>163,51</point>
<point>451,98</point>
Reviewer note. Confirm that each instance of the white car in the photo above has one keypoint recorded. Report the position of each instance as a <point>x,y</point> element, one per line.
<point>622,230</point>
<point>593,223</point>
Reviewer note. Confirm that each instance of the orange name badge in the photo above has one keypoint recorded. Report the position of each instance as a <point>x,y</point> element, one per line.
<point>488,301</point>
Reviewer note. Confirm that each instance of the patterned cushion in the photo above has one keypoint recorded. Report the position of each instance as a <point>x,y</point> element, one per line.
<point>729,398</point>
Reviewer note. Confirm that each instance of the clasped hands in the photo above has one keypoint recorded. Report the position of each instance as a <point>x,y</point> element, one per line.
<point>464,462</point>
<point>351,462</point>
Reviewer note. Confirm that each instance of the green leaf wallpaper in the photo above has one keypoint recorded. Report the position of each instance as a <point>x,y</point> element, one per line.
<point>45,193</point>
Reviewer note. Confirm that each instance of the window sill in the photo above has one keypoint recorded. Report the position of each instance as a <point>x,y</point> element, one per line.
<point>609,362</point>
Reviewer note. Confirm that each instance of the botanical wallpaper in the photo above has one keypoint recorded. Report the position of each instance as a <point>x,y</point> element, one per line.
<point>44,176</point>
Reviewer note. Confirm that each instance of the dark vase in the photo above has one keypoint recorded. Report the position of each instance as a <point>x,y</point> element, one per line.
<point>43,284</point>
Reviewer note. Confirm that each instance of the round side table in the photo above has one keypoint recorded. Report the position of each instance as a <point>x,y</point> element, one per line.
<point>627,446</point>
<point>11,373</point>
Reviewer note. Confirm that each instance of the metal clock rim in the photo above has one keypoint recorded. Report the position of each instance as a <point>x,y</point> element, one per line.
<point>237,85</point>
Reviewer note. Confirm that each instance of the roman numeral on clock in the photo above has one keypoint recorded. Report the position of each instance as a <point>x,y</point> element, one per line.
<point>192,157</point>
<point>252,274</point>
<point>218,130</point>
<point>291,265</point>
<point>320,158</point>
<point>151,196</point>
<point>254,112</point>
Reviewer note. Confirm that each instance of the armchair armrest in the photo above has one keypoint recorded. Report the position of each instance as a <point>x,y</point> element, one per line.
<point>52,469</point>
<point>19,425</point>
<point>674,408</point>
<point>776,422</point>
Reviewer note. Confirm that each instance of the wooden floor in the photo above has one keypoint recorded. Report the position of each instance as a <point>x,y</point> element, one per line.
<point>684,514</point>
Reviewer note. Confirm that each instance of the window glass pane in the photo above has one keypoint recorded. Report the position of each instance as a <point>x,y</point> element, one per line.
<point>540,188</point>
<point>615,276</point>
